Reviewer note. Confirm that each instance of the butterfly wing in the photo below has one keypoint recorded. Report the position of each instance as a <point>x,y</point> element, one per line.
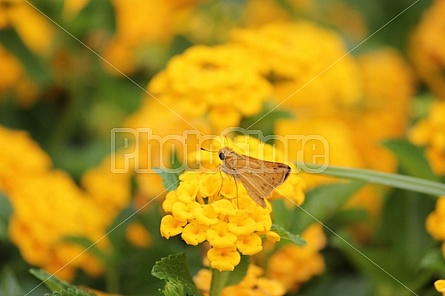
<point>261,177</point>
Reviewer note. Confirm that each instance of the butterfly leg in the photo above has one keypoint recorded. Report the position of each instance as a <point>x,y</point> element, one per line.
<point>222,183</point>
<point>236,186</point>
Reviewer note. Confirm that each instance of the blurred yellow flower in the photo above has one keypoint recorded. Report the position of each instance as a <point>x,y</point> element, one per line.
<point>333,144</point>
<point>344,17</point>
<point>109,190</point>
<point>303,75</point>
<point>254,284</point>
<point>11,68</point>
<point>48,206</point>
<point>430,133</point>
<point>383,113</point>
<point>163,123</point>
<point>34,29</point>
<point>435,222</point>
<point>260,12</point>
<point>307,80</point>
<point>139,23</point>
<point>138,235</point>
<point>13,165</point>
<point>369,198</point>
<point>352,135</point>
<point>440,286</point>
<point>202,280</point>
<point>427,48</point>
<point>14,79</point>
<point>293,265</point>
<point>72,7</point>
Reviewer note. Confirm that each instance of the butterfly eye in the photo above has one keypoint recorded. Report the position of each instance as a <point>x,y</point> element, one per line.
<point>221,156</point>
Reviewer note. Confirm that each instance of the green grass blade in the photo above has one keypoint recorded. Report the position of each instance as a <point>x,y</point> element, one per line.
<point>393,180</point>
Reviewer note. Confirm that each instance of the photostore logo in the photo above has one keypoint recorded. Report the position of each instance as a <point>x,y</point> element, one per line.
<point>142,150</point>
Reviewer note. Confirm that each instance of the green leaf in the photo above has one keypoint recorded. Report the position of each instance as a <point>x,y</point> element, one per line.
<point>411,159</point>
<point>394,180</point>
<point>382,265</point>
<point>433,261</point>
<point>89,246</point>
<point>175,271</point>
<point>5,213</point>
<point>400,244</point>
<point>324,202</point>
<point>337,283</point>
<point>402,226</point>
<point>58,286</point>
<point>321,204</point>
<point>170,180</point>
<point>9,284</point>
<point>51,281</point>
<point>35,67</point>
<point>240,271</point>
<point>173,288</point>
<point>350,216</point>
<point>70,292</point>
<point>286,235</point>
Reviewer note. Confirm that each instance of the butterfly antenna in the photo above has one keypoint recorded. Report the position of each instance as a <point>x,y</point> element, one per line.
<point>207,150</point>
<point>236,185</point>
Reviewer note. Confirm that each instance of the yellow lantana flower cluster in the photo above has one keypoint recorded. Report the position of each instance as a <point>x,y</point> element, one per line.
<point>221,83</point>
<point>427,48</point>
<point>46,209</point>
<point>430,133</point>
<point>311,74</point>
<point>207,207</point>
<point>48,206</point>
<point>254,284</point>
<point>212,207</point>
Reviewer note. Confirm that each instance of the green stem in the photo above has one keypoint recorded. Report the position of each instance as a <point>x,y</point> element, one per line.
<point>219,281</point>
<point>112,278</point>
<point>394,180</point>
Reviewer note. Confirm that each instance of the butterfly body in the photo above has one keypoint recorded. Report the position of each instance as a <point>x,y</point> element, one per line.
<point>259,177</point>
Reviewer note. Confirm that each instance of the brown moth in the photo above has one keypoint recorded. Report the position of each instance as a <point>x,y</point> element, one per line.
<point>259,177</point>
